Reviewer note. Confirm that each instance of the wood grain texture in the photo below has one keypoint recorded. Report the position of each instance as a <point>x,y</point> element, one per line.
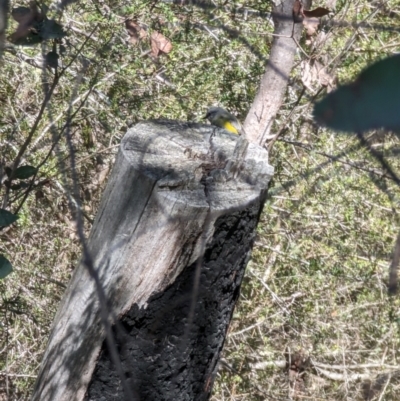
<point>158,216</point>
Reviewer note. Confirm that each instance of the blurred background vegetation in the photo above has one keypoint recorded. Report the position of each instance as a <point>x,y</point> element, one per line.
<point>315,292</point>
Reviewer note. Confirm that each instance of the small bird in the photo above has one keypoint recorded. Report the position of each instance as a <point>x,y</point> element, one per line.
<point>223,119</point>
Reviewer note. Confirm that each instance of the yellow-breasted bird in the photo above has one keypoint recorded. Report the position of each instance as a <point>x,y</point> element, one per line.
<point>223,119</point>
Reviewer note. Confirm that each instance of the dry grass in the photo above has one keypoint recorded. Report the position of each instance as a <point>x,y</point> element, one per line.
<point>316,285</point>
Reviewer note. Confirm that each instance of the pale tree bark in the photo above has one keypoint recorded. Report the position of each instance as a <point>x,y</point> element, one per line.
<point>273,85</point>
<point>174,230</point>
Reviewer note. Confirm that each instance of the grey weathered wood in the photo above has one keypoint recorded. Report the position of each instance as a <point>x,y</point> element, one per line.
<point>171,183</point>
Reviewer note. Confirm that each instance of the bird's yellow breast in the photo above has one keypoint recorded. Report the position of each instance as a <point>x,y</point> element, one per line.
<point>229,127</point>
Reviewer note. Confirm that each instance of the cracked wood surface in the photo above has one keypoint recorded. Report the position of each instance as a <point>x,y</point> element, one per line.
<point>170,184</point>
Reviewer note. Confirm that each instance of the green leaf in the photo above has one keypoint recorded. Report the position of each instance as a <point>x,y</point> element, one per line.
<point>7,218</point>
<point>371,101</point>
<point>25,172</point>
<point>5,267</point>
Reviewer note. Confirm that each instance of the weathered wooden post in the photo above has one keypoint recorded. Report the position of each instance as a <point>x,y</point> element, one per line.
<point>174,223</point>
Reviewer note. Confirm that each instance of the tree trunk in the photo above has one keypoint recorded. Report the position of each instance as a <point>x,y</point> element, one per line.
<point>275,80</point>
<point>170,243</point>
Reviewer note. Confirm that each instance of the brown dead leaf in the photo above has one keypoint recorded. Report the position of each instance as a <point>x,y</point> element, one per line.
<point>297,11</point>
<point>20,14</point>
<point>27,18</point>
<point>308,17</point>
<point>159,44</point>
<point>311,25</point>
<point>298,364</point>
<point>314,75</point>
<point>318,12</point>
<point>135,31</point>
